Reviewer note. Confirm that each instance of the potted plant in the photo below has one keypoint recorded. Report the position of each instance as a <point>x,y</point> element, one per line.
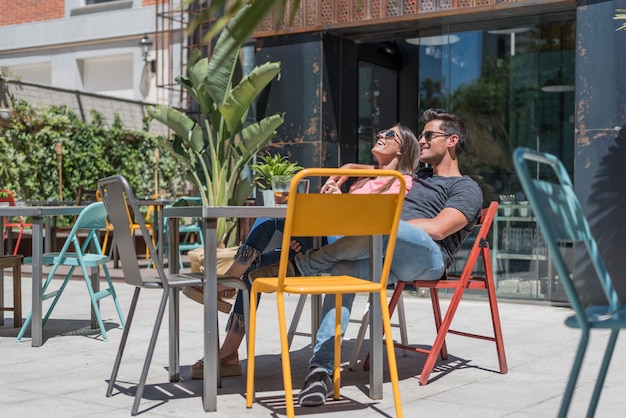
<point>268,167</point>
<point>218,148</point>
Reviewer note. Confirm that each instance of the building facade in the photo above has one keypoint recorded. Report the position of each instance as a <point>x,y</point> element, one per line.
<point>545,74</point>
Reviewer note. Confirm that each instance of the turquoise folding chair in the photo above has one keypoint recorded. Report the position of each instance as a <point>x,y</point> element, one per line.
<point>549,189</point>
<point>88,257</point>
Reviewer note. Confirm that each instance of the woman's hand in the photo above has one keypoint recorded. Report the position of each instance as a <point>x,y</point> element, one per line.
<point>331,186</point>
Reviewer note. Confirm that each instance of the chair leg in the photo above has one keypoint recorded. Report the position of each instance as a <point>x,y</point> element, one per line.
<point>434,300</point>
<point>17,295</point>
<point>365,320</point>
<point>146,365</point>
<point>391,355</point>
<point>337,347</point>
<point>571,383</point>
<point>120,350</point>
<point>284,354</point>
<point>296,318</point>
<point>118,308</point>
<point>251,346</point>
<point>495,314</point>
<point>19,240</point>
<point>602,375</point>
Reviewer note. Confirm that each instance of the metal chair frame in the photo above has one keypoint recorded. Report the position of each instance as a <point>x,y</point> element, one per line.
<point>559,214</point>
<point>117,196</point>
<point>317,214</point>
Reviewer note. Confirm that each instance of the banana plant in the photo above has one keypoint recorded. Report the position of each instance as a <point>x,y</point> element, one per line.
<point>217,147</point>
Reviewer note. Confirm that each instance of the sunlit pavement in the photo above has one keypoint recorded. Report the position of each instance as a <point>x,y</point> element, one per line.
<point>68,375</point>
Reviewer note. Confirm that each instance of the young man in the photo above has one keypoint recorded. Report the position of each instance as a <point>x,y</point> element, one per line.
<point>438,213</point>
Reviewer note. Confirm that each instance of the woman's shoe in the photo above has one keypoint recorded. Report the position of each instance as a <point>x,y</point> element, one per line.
<point>196,293</point>
<point>226,370</point>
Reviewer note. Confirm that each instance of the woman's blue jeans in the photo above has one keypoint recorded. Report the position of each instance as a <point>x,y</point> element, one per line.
<point>263,243</point>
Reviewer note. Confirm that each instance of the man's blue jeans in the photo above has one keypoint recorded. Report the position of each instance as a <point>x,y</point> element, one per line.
<point>416,256</point>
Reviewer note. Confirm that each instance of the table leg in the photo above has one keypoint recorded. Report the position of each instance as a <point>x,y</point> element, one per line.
<point>159,216</point>
<point>2,271</point>
<point>173,266</point>
<point>211,353</point>
<point>376,327</point>
<point>36,328</point>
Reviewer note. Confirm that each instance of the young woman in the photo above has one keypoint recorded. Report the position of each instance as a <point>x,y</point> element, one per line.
<point>395,149</point>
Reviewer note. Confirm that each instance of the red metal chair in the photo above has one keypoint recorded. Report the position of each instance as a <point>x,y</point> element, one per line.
<point>16,222</point>
<point>468,279</point>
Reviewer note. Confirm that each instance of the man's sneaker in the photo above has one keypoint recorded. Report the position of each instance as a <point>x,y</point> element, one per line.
<point>317,387</point>
<point>272,271</point>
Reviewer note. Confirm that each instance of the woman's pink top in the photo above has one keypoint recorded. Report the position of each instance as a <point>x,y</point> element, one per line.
<point>374,185</point>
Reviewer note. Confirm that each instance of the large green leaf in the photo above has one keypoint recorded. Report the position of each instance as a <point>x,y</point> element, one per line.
<point>256,136</point>
<point>187,129</point>
<point>222,65</point>
<point>243,95</point>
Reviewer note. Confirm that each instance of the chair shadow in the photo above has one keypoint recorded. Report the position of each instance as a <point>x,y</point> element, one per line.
<point>268,379</point>
<point>410,366</point>
<point>61,328</point>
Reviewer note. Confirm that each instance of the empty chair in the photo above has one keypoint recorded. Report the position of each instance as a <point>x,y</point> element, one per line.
<point>14,262</point>
<point>550,192</point>
<point>119,200</point>
<point>468,279</point>
<point>318,214</point>
<point>16,223</point>
<point>88,257</point>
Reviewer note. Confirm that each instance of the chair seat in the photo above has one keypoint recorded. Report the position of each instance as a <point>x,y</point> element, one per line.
<point>71,259</point>
<point>319,285</point>
<point>601,317</point>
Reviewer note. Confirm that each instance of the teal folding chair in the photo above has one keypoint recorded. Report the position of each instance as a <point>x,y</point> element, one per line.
<point>88,257</point>
<point>549,189</point>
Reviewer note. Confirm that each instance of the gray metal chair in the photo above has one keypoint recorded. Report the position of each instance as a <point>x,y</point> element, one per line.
<point>563,224</point>
<point>116,194</point>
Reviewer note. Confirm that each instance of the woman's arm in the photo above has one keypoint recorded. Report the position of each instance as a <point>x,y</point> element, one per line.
<point>333,184</point>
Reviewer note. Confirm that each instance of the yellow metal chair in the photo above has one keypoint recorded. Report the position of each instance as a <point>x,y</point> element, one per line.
<point>322,215</point>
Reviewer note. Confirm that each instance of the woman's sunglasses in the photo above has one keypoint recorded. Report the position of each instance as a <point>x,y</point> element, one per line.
<point>389,134</point>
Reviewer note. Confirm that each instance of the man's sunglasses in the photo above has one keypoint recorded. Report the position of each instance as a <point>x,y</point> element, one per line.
<point>389,134</point>
<point>429,135</point>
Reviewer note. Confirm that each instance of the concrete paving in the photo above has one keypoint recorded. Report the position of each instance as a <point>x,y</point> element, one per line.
<point>68,375</point>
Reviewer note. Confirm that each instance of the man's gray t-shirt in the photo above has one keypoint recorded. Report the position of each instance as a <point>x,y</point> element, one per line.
<point>431,194</point>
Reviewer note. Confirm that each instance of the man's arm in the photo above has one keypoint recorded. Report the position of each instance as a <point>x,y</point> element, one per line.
<point>446,223</point>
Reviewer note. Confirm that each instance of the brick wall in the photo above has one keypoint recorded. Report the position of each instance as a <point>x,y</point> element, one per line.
<point>15,12</point>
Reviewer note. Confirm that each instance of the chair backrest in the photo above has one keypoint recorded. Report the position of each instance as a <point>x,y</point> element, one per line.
<point>480,246</point>
<point>317,214</point>
<point>7,196</point>
<point>119,201</point>
<point>559,214</point>
<point>92,219</point>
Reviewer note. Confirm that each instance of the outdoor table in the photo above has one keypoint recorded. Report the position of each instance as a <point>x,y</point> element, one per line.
<point>209,215</point>
<point>38,214</point>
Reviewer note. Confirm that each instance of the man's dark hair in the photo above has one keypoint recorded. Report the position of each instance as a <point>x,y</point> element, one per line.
<point>450,124</point>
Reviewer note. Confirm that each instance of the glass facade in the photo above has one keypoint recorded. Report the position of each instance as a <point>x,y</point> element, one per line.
<point>513,86</point>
